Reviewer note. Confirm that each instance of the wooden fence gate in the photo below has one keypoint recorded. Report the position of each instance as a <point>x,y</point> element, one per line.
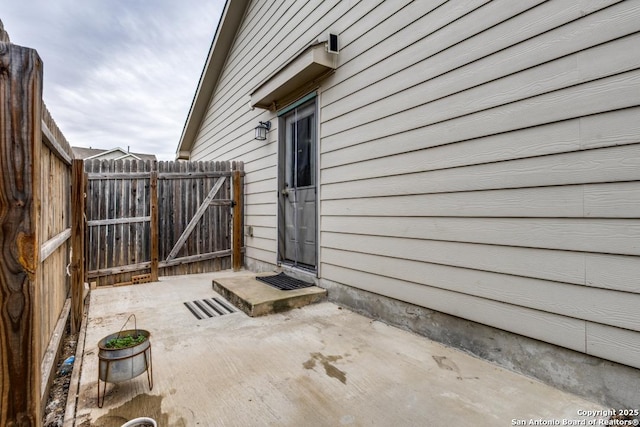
<point>147,219</point>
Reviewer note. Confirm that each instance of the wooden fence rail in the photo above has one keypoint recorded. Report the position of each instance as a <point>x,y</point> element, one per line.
<point>147,219</point>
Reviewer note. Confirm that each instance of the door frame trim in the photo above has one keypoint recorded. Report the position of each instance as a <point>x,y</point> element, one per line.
<point>281,172</point>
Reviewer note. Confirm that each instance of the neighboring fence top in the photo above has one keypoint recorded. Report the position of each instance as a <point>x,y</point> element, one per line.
<point>115,169</point>
<point>53,137</point>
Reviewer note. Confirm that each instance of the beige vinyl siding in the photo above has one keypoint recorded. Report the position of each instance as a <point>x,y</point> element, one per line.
<point>561,330</point>
<point>485,162</point>
<point>613,236</point>
<point>479,158</point>
<point>596,305</point>
<point>508,46</point>
<point>614,272</point>
<point>613,343</point>
<point>590,200</point>
<point>582,167</point>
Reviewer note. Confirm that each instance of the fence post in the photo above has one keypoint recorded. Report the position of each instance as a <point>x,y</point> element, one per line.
<point>154,226</point>
<point>236,230</point>
<point>20,326</point>
<point>77,243</point>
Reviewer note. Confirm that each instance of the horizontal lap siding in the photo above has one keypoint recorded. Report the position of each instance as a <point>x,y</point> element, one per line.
<point>613,236</point>
<point>482,160</point>
<point>596,305</point>
<point>616,272</point>
<point>592,200</point>
<point>561,330</point>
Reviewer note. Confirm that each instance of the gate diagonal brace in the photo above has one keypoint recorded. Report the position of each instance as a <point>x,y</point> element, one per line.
<point>192,224</point>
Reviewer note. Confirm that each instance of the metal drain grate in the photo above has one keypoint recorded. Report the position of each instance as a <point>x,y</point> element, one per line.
<point>210,307</point>
<point>283,282</point>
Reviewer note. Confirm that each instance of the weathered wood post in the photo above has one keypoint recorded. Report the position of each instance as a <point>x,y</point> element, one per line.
<point>20,142</point>
<point>236,229</point>
<point>154,235</point>
<point>77,243</point>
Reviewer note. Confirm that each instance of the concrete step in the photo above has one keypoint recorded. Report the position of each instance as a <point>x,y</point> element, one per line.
<point>258,299</point>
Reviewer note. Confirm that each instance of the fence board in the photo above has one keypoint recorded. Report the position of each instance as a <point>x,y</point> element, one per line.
<point>237,221</point>
<point>153,186</point>
<point>20,192</point>
<point>77,245</point>
<point>101,254</point>
<point>111,247</point>
<point>53,138</point>
<point>126,212</point>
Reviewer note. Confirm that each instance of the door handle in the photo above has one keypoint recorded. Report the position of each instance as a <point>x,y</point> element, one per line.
<point>285,192</point>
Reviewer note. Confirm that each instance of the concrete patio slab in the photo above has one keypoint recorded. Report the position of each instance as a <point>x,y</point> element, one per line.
<point>320,365</point>
<point>258,299</point>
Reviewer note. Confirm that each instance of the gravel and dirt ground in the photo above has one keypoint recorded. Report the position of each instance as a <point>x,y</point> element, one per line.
<point>57,401</point>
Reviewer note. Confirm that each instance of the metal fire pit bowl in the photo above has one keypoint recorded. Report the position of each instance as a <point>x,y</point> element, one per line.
<point>121,364</point>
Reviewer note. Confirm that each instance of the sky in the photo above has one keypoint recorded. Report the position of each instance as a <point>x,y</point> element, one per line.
<point>117,73</point>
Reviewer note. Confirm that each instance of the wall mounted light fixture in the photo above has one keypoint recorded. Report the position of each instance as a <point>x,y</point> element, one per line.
<point>261,130</point>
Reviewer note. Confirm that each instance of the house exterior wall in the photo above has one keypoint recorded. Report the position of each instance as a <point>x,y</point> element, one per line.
<point>478,158</point>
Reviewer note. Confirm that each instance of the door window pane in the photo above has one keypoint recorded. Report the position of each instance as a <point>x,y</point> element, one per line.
<point>300,151</point>
<point>304,152</point>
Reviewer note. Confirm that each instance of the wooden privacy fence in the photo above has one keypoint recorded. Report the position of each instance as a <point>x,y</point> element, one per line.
<point>147,219</point>
<point>144,220</point>
<point>37,236</point>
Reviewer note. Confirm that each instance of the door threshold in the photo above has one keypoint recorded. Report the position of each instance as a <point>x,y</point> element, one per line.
<point>300,271</point>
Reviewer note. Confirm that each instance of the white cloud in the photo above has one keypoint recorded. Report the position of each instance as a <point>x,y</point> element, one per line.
<point>117,72</point>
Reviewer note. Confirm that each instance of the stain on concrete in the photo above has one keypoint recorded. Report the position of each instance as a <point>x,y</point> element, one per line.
<point>443,363</point>
<point>143,405</point>
<point>447,364</point>
<point>279,306</point>
<point>309,364</point>
<point>327,363</point>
